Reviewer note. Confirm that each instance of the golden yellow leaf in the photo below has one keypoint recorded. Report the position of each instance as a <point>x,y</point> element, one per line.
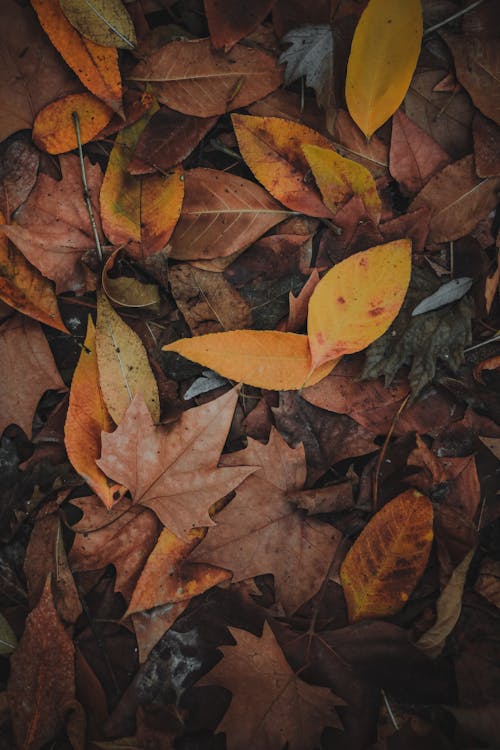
<point>383,57</point>
<point>339,179</point>
<point>124,368</point>
<point>357,300</point>
<point>388,558</point>
<point>54,129</point>
<point>265,359</point>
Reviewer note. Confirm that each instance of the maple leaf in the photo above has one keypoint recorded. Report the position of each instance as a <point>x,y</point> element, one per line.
<point>270,706</point>
<point>260,530</point>
<point>173,469</point>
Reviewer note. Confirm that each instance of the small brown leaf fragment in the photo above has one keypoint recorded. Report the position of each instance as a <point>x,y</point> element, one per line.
<point>42,677</point>
<point>329,499</point>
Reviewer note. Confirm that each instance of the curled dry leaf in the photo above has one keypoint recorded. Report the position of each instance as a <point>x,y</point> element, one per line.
<point>388,558</point>
<point>384,53</point>
<point>105,22</point>
<point>54,128</point>
<point>128,291</point>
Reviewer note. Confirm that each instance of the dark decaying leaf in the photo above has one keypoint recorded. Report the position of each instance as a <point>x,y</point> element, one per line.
<point>310,54</point>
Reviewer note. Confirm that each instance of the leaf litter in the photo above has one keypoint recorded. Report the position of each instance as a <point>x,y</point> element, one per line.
<point>265,514</point>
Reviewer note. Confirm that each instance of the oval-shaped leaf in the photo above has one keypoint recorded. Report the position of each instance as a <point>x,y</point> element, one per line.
<point>54,129</point>
<point>388,558</point>
<point>104,22</point>
<point>383,57</point>
<point>265,359</point>
<point>272,148</point>
<point>357,300</point>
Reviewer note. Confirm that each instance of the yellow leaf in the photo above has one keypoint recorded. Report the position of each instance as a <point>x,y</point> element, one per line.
<point>388,558</point>
<point>339,179</point>
<point>54,129</point>
<point>357,300</point>
<point>265,359</point>
<point>384,53</point>
<point>124,368</point>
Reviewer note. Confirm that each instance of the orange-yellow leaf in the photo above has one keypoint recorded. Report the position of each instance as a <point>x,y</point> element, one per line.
<point>383,57</point>
<point>339,179</point>
<point>95,66</point>
<point>388,558</point>
<point>357,300</point>
<point>23,287</point>
<point>265,359</point>
<point>54,129</point>
<point>272,148</point>
<point>87,418</point>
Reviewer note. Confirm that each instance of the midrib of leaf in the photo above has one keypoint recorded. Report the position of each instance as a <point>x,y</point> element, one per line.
<point>203,76</point>
<point>118,356</point>
<point>201,212</point>
<point>487,71</point>
<point>462,197</point>
<point>108,23</point>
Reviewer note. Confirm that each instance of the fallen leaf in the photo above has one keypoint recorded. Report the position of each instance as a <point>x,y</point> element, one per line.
<point>42,676</point>
<point>54,128</point>
<point>207,301</point>
<point>95,66</point>
<point>458,200</point>
<point>449,292</point>
<point>265,359</point>
<point>486,136</point>
<point>297,316</point>
<point>272,148</point>
<point>18,172</point>
<point>388,558</point>
<point>221,214</point>
<point>488,581</point>
<point>124,368</point>
<point>229,22</point>
<point>128,291</point>
<point>270,705</point>
<point>52,228</point>
<point>173,470</point>
<point>477,65</point>
<point>339,179</point>
<point>151,625</point>
<point>330,499</point>
<point>104,22</point>
<point>8,640</point>
<point>414,156</point>
<point>479,722</point>
<point>351,307</point>
<point>449,606</point>
<point>350,141</point>
<point>26,356</point>
<point>260,531</point>
<point>384,53</point>
<point>191,77</point>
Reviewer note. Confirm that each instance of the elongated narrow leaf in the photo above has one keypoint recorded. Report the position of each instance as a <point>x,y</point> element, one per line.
<point>388,558</point>
<point>265,359</point>
<point>124,368</point>
<point>383,58</point>
<point>105,22</point>
<point>54,129</point>
<point>357,300</point>
<point>339,179</point>
<point>450,292</point>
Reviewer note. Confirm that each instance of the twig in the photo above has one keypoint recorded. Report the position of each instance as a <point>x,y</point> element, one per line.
<point>389,711</point>
<point>86,194</point>
<point>452,18</point>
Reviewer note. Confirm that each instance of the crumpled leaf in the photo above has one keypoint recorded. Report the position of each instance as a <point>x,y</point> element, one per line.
<point>447,293</point>
<point>228,22</point>
<point>311,55</point>
<point>271,706</point>
<point>54,128</point>
<point>384,53</point>
<point>105,22</point>
<point>422,341</point>
<point>388,558</point>
<point>173,470</point>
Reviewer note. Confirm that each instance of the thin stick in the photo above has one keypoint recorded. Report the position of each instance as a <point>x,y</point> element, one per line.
<point>390,711</point>
<point>452,18</point>
<point>86,194</point>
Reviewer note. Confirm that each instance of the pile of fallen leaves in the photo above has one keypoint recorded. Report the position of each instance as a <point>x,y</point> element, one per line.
<point>249,406</point>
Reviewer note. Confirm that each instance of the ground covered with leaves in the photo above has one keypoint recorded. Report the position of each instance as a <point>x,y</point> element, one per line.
<point>249,411</point>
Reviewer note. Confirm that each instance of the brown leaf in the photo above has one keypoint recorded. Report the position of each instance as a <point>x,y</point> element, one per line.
<point>228,22</point>
<point>18,173</point>
<point>52,228</point>
<point>191,77</point>
<point>173,470</point>
<point>270,705</point>
<point>221,214</point>
<point>330,499</point>
<point>486,146</point>
<point>488,581</point>
<point>297,317</point>
<point>260,531</point>
<point>26,357</point>
<point>414,155</point>
<point>372,154</point>
<point>151,625</point>
<point>42,676</point>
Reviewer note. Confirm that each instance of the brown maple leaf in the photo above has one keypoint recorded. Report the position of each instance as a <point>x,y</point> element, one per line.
<point>270,704</point>
<point>260,531</point>
<point>173,469</point>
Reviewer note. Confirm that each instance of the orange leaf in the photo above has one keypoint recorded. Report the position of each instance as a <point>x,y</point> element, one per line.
<point>95,66</point>
<point>24,288</point>
<point>357,300</point>
<point>87,418</point>
<point>54,129</point>
<point>272,148</point>
<point>388,558</point>
<point>265,359</point>
<point>339,179</point>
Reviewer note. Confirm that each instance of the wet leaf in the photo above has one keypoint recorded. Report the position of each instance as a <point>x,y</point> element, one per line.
<point>54,128</point>
<point>104,22</point>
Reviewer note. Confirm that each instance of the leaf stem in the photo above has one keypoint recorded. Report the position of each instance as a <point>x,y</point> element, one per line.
<point>86,194</point>
<point>458,14</point>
